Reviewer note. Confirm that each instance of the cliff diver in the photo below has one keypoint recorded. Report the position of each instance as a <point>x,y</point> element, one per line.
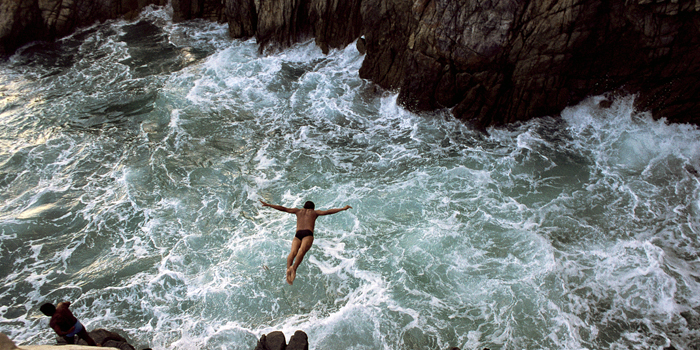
<point>65,324</point>
<point>304,237</point>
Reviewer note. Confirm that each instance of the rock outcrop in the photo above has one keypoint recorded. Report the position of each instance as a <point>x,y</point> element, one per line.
<point>492,62</point>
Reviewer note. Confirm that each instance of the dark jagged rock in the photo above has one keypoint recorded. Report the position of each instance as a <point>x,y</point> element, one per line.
<point>299,341</point>
<point>242,18</point>
<point>498,62</point>
<point>272,341</point>
<point>22,21</point>
<point>276,341</point>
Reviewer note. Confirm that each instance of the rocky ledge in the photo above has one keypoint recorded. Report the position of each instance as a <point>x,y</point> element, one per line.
<point>111,340</point>
<point>492,62</point>
<point>108,340</point>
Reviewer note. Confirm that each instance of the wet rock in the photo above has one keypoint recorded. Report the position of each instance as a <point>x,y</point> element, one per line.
<point>276,341</point>
<point>299,341</point>
<point>104,337</point>
<point>242,18</point>
<point>272,341</point>
<point>360,45</point>
<point>22,21</point>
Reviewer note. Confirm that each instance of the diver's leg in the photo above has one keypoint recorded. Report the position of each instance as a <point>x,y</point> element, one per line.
<point>296,243</point>
<point>306,244</point>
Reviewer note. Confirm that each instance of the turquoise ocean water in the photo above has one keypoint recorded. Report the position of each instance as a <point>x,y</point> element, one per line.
<point>133,155</point>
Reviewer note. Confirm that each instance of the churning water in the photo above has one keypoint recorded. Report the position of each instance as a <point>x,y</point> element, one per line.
<point>133,155</point>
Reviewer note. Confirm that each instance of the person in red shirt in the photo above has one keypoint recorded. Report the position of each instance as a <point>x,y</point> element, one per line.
<point>65,324</point>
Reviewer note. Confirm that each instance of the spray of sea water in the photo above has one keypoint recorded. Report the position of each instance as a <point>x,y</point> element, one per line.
<point>133,155</point>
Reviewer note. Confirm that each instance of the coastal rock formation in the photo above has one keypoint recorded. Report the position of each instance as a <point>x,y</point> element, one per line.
<point>490,62</point>
<point>497,62</point>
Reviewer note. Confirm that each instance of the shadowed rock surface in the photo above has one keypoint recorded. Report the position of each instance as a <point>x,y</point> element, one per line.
<point>491,62</point>
<point>22,21</point>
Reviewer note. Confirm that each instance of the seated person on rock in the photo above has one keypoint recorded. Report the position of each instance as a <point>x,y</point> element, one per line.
<point>65,324</point>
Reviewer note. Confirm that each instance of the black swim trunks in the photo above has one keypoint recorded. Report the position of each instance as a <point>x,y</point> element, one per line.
<point>303,233</point>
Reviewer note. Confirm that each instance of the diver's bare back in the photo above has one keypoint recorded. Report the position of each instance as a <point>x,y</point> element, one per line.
<point>306,219</point>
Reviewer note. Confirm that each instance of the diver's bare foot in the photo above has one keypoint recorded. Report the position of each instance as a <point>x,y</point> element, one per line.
<point>290,279</point>
<point>292,275</point>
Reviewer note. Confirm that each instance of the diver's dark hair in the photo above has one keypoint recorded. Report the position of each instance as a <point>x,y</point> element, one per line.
<point>309,205</point>
<point>48,309</point>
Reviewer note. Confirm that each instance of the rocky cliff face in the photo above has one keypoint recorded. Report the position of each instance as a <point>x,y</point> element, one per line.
<point>497,62</point>
<point>500,61</point>
<point>491,61</point>
<point>22,21</point>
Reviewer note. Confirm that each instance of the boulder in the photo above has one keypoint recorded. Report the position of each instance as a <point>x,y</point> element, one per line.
<point>273,341</point>
<point>276,341</point>
<point>299,341</point>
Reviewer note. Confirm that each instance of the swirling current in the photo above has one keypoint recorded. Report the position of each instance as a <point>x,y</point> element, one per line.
<point>133,155</point>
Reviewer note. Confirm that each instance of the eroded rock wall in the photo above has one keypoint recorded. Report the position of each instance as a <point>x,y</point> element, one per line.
<point>213,10</point>
<point>497,62</point>
<point>500,61</point>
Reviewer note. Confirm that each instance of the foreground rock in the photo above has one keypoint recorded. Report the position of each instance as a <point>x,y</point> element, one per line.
<point>7,344</point>
<point>491,62</point>
<point>104,337</point>
<point>276,341</point>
